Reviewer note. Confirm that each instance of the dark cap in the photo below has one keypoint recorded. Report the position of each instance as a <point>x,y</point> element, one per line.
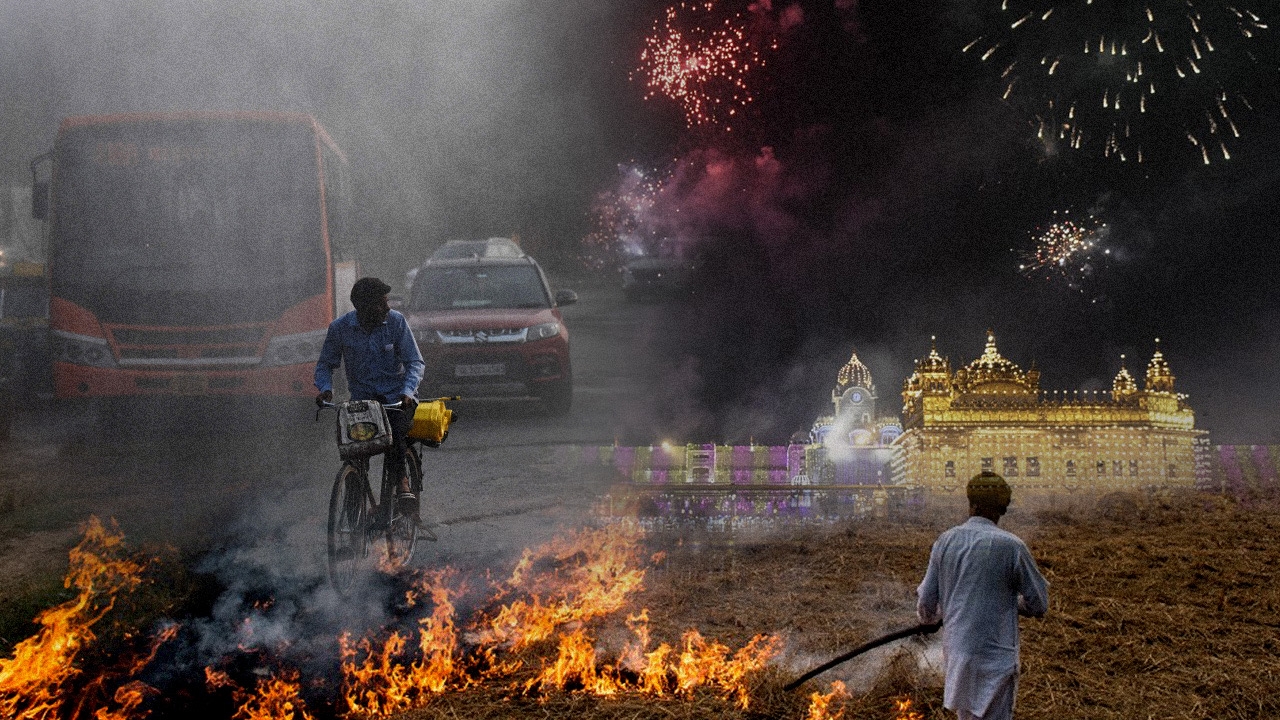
<point>368,290</point>
<point>988,488</point>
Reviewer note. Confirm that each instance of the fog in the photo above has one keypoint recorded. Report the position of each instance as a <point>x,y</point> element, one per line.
<point>877,191</point>
<point>460,119</point>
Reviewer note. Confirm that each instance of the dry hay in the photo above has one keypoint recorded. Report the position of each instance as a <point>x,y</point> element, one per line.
<point>1161,607</point>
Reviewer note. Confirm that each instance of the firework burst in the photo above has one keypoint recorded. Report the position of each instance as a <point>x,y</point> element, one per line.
<point>621,224</point>
<point>1127,79</point>
<point>699,63</point>
<point>1067,250</point>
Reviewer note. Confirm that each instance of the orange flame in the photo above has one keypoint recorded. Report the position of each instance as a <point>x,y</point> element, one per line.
<point>577,661</point>
<point>128,696</point>
<point>570,581</point>
<point>903,711</point>
<point>552,594</point>
<point>381,684</point>
<point>33,683</point>
<point>595,572</point>
<point>820,705</point>
<point>701,663</point>
<point>706,662</point>
<point>276,698</point>
<point>217,679</point>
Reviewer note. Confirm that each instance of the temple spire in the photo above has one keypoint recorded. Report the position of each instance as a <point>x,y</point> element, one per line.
<point>1159,377</point>
<point>1124,385</point>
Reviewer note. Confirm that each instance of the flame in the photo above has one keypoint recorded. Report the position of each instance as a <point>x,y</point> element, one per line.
<point>595,572</point>
<point>539,630</point>
<point>276,698</point>
<point>706,662</point>
<point>701,663</point>
<point>217,679</point>
<point>577,661</point>
<point>820,704</point>
<point>34,683</point>
<point>128,696</point>
<point>381,684</point>
<point>903,711</point>
<point>551,594</point>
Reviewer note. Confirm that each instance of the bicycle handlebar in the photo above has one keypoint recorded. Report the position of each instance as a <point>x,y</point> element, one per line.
<point>397,406</point>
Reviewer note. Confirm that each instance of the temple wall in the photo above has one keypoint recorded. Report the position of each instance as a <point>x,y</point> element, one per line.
<point>1054,458</point>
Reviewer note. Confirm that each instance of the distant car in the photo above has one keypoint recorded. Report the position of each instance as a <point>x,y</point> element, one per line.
<point>25,362</point>
<point>489,326</point>
<point>459,249</point>
<point>650,277</point>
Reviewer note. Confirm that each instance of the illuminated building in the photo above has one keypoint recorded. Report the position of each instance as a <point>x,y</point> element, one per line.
<point>992,415</point>
<point>853,446</point>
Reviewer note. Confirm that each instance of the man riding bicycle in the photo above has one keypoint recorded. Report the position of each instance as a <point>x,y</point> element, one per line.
<point>383,363</point>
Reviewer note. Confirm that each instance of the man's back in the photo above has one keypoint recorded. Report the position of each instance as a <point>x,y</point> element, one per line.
<point>978,580</point>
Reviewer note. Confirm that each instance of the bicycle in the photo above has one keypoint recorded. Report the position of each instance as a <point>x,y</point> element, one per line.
<point>356,519</point>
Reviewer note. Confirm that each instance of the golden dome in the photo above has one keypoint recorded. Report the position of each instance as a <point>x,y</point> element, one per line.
<point>1124,384</point>
<point>992,372</point>
<point>1159,378</point>
<point>853,374</point>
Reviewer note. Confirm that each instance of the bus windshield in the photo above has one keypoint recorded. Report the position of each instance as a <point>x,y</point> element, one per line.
<point>225,211</point>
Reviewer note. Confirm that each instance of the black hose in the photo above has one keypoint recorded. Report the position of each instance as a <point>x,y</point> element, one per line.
<point>922,629</point>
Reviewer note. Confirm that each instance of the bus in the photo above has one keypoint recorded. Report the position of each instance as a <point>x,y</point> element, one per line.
<point>192,253</point>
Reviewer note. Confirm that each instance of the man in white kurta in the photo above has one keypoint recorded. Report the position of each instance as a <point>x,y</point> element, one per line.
<point>980,579</point>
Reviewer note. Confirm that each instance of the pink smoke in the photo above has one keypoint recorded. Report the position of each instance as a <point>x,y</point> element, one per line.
<point>711,191</point>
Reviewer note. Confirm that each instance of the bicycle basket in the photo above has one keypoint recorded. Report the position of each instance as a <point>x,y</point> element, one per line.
<point>363,429</point>
<point>431,422</point>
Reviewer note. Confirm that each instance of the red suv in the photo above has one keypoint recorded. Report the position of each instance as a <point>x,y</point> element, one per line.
<point>490,327</point>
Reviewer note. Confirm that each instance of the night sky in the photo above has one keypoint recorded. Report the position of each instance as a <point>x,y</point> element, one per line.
<point>877,191</point>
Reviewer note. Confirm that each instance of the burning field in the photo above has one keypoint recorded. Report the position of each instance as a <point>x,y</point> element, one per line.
<point>1161,607</point>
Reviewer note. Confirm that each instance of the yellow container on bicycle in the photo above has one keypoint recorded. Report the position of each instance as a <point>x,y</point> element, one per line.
<point>431,422</point>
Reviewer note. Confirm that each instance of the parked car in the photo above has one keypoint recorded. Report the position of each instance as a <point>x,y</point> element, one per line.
<point>26,367</point>
<point>490,326</point>
<point>649,277</point>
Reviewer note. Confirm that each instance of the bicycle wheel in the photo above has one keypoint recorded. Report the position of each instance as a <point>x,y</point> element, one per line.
<point>402,531</point>
<point>402,538</point>
<point>413,466</point>
<point>349,506</point>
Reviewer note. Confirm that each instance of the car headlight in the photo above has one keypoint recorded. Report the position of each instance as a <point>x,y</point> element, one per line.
<point>81,350</point>
<point>545,330</point>
<point>294,349</point>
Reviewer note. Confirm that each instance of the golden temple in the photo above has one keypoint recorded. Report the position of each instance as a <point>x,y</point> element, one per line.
<point>992,415</point>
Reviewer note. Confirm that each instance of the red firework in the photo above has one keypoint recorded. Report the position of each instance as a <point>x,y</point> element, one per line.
<point>701,64</point>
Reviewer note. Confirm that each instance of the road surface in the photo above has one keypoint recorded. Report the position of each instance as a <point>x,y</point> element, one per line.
<point>246,491</point>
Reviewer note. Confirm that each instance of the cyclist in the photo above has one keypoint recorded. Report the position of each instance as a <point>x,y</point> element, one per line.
<point>383,363</point>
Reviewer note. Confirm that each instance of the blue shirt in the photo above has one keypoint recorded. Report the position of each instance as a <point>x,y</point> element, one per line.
<point>381,365</point>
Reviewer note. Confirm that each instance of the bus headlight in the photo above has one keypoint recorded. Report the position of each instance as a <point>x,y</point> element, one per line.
<point>69,347</point>
<point>294,349</point>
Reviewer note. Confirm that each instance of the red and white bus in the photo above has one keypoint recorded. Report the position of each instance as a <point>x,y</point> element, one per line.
<point>193,253</point>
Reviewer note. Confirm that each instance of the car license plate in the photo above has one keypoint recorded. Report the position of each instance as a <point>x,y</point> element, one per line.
<point>480,370</point>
